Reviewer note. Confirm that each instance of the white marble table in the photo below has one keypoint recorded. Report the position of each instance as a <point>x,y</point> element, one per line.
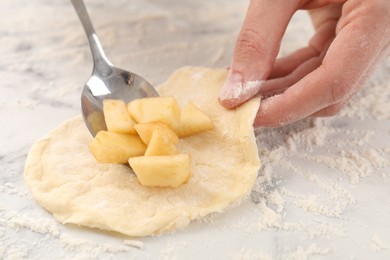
<point>324,189</point>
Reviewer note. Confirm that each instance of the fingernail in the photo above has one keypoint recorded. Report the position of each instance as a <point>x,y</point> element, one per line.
<point>236,91</point>
<point>232,87</point>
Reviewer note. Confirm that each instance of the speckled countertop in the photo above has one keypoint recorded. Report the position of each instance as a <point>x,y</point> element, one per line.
<point>324,189</point>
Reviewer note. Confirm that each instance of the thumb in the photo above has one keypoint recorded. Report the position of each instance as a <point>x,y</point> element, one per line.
<point>256,49</point>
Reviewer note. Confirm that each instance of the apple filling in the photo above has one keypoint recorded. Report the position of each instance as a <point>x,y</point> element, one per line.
<point>145,133</point>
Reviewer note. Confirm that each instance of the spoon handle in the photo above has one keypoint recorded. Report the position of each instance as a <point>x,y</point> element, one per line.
<point>101,63</point>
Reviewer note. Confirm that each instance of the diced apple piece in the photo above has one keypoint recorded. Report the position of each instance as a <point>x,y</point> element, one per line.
<point>162,171</point>
<point>145,131</point>
<point>160,144</point>
<point>111,147</point>
<point>156,109</point>
<point>117,117</point>
<point>193,121</point>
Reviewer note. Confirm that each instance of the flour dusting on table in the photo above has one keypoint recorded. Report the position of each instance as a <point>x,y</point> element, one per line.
<point>323,191</point>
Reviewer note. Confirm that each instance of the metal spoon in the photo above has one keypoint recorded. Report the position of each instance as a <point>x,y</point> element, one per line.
<point>106,81</point>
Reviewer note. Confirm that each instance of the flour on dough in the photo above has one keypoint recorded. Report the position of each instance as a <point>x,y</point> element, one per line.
<point>66,180</point>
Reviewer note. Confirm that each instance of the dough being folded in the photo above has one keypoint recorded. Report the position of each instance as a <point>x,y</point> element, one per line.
<point>67,181</point>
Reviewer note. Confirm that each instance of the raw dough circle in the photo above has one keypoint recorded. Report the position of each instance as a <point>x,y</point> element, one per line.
<point>66,180</point>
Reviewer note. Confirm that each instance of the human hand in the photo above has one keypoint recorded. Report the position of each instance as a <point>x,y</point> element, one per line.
<point>352,37</point>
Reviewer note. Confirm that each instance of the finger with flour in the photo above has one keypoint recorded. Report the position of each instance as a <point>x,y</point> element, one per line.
<point>256,49</point>
<point>348,60</point>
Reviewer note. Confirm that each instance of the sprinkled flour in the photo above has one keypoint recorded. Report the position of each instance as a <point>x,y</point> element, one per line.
<point>314,196</point>
<point>241,90</point>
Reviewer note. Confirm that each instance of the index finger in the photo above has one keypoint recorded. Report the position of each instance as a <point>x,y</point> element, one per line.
<point>256,49</point>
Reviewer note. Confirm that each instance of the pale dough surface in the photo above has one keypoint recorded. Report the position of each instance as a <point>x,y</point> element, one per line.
<point>66,180</point>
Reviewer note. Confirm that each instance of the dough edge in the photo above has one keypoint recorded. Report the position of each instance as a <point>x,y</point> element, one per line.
<point>163,221</point>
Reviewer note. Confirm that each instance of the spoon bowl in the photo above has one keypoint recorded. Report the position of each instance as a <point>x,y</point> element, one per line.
<point>106,81</point>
